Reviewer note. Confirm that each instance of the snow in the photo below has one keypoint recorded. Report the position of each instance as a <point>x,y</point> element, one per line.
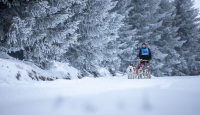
<point>4,55</point>
<point>106,95</point>
<point>9,68</point>
<point>102,96</point>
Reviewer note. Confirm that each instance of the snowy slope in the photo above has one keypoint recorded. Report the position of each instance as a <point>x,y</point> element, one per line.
<point>4,55</point>
<point>16,70</point>
<point>102,96</point>
<point>12,69</point>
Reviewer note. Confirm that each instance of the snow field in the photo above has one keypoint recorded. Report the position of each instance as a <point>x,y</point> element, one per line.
<point>102,96</point>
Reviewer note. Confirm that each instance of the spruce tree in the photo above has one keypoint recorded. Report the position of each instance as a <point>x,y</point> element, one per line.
<point>110,51</point>
<point>141,21</point>
<point>97,28</point>
<point>169,39</point>
<point>43,29</point>
<point>187,21</point>
<point>126,44</point>
<point>9,18</point>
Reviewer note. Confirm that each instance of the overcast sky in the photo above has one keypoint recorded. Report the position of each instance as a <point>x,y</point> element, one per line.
<point>197,3</point>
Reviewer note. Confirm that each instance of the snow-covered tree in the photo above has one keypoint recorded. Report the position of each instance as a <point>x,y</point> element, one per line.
<point>111,61</point>
<point>8,18</point>
<point>53,32</point>
<point>149,21</point>
<point>141,21</point>
<point>187,21</point>
<point>126,44</point>
<point>96,29</point>
<point>169,39</point>
<point>103,33</point>
<point>43,29</point>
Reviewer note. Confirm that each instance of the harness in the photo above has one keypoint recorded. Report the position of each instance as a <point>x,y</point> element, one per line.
<point>145,51</point>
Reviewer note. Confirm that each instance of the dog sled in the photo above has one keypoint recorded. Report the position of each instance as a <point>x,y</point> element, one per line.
<point>142,72</point>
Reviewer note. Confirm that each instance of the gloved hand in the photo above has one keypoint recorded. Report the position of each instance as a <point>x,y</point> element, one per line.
<point>150,59</point>
<point>140,59</point>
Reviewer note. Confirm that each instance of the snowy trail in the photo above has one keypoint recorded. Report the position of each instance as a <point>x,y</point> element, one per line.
<point>102,96</point>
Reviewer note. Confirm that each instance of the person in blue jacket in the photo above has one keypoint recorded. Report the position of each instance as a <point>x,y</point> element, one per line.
<point>144,54</point>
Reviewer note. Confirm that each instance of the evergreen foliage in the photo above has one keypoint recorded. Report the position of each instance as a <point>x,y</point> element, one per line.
<point>90,34</point>
<point>97,29</point>
<point>168,40</point>
<point>187,21</point>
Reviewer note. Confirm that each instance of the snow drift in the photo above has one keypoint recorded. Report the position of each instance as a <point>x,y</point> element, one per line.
<point>16,70</point>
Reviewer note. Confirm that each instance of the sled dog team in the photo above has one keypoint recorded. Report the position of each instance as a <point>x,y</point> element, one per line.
<point>133,73</point>
<point>145,57</point>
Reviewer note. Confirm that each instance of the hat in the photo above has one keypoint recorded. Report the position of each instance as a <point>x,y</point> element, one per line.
<point>144,44</point>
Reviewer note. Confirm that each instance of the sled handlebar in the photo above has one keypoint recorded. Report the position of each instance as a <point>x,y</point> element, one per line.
<point>145,60</point>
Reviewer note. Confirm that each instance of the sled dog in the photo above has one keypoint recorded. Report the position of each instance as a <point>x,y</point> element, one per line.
<point>130,72</point>
<point>134,71</point>
<point>140,73</point>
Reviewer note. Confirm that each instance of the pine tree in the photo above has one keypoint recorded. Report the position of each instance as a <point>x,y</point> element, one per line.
<point>126,44</point>
<point>111,61</point>
<point>43,29</point>
<point>141,21</point>
<point>169,39</point>
<point>54,32</point>
<point>9,17</point>
<point>95,32</point>
<point>187,21</point>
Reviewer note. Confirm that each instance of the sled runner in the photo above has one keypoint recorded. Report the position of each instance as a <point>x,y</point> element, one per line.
<point>143,71</point>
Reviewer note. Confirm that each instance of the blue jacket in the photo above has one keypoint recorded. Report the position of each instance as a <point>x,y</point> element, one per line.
<point>145,54</point>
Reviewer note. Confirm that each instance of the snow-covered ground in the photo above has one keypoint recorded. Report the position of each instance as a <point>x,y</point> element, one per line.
<point>12,70</point>
<point>25,89</point>
<point>16,70</point>
<point>102,96</point>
